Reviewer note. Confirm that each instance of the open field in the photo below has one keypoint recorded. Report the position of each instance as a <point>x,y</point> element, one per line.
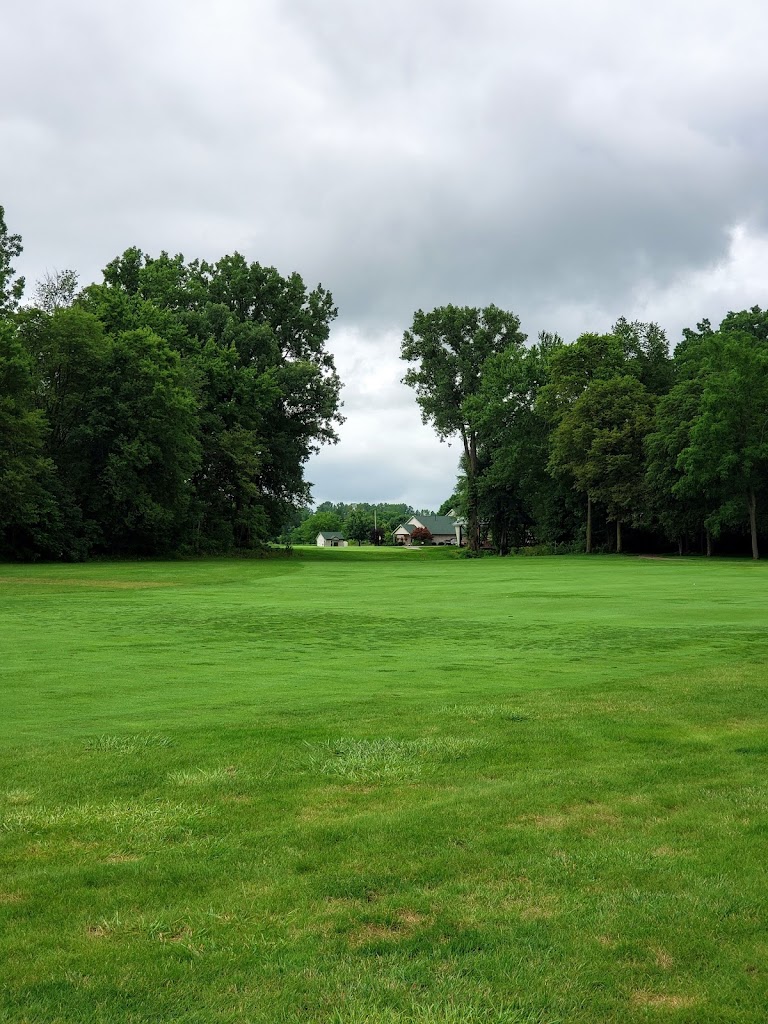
<point>384,786</point>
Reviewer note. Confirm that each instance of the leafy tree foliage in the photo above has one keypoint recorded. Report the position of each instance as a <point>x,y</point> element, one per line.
<point>26,507</point>
<point>319,522</point>
<point>451,347</point>
<point>170,408</point>
<point>612,430</point>
<point>11,286</point>
<point>728,442</point>
<point>358,525</point>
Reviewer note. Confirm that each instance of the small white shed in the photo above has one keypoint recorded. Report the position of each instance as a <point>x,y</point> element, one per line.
<point>331,539</point>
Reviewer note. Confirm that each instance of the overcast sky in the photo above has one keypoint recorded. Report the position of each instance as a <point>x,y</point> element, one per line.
<point>573,162</point>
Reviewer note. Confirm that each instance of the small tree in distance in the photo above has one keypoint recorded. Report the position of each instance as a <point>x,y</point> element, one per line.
<point>376,536</point>
<point>421,535</point>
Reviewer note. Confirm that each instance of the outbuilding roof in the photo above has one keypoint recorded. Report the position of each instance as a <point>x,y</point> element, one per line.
<point>331,535</point>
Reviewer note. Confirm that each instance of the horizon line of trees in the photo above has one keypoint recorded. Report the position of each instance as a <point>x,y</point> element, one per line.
<point>169,409</point>
<point>172,408</point>
<point>568,445</point>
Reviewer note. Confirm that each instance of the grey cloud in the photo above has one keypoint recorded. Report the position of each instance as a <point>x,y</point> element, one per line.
<point>568,161</point>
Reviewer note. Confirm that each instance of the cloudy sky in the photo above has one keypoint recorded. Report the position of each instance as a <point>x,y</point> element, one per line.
<point>570,161</point>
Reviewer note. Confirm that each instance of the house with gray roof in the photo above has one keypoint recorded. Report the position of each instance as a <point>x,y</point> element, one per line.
<point>444,529</point>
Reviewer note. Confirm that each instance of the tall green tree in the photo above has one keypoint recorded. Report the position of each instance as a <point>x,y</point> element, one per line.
<point>515,488</point>
<point>253,344</point>
<point>359,525</point>
<point>451,347</point>
<point>70,354</point>
<point>11,286</point>
<point>599,442</point>
<point>728,449</point>
<point>27,508</point>
<point>631,351</point>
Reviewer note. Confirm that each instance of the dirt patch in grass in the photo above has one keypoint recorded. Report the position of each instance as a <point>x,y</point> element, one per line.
<point>660,1001</point>
<point>407,921</point>
<point>10,897</point>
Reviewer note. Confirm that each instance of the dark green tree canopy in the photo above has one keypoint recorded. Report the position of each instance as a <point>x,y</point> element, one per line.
<point>452,348</point>
<point>171,408</point>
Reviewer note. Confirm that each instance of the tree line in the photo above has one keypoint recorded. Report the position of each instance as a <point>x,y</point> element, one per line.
<point>169,409</point>
<point>569,445</point>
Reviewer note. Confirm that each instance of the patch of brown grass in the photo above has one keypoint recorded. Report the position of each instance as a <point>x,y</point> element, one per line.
<point>407,922</point>
<point>669,851</point>
<point>536,912</point>
<point>121,858</point>
<point>410,918</point>
<point>10,897</point>
<point>373,933</point>
<point>663,959</point>
<point>586,816</point>
<point>662,1001</point>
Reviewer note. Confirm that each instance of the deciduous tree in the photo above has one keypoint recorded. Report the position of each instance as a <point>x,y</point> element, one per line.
<point>451,347</point>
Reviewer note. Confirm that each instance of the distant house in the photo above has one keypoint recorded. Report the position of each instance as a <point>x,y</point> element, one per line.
<point>444,529</point>
<point>331,539</point>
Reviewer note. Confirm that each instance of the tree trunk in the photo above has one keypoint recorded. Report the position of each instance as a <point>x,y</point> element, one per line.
<point>709,543</point>
<point>589,525</point>
<point>503,541</point>
<point>473,522</point>
<point>753,523</point>
<point>618,536</point>
<point>679,545</point>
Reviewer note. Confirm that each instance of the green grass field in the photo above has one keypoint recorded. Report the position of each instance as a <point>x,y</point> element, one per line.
<point>384,786</point>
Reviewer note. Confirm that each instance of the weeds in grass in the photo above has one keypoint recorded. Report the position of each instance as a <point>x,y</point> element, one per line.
<point>203,776</point>
<point>386,759</point>
<point>458,1013</point>
<point>482,711</point>
<point>126,744</point>
<point>18,796</point>
<point>130,817</point>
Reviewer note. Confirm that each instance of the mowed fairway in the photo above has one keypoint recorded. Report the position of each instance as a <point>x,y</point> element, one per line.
<point>384,787</point>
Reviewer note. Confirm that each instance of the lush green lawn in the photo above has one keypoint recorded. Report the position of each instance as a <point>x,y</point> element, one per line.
<point>384,786</point>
